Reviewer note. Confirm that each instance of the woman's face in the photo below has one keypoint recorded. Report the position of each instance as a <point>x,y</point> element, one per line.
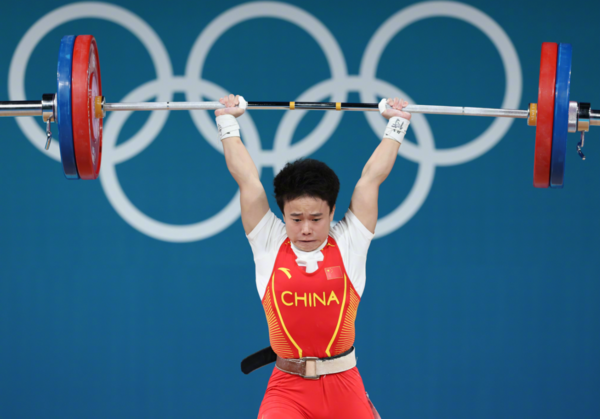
<point>307,222</point>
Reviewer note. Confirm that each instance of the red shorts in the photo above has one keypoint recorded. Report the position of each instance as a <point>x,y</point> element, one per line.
<point>331,396</point>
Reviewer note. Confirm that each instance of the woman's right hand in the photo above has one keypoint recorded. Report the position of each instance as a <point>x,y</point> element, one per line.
<point>231,102</point>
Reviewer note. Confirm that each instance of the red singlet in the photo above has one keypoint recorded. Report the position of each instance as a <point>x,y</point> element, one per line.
<point>312,315</point>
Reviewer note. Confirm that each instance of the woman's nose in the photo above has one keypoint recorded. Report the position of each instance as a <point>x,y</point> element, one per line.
<point>306,229</point>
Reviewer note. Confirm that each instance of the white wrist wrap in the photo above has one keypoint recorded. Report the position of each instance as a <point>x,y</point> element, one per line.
<point>228,126</point>
<point>396,128</point>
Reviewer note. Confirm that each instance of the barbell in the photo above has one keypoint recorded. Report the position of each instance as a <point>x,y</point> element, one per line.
<point>78,108</point>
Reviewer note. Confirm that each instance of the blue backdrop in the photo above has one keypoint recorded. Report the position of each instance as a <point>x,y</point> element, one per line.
<point>133,296</point>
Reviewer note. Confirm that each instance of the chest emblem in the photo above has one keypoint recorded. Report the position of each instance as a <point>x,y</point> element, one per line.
<point>334,272</point>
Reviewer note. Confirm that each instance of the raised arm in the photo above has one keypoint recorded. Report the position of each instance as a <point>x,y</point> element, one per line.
<point>253,198</point>
<point>379,166</point>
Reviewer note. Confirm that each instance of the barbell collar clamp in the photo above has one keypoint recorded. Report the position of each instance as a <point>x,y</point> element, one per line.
<point>49,107</point>
<point>572,121</point>
<point>48,115</point>
<point>583,117</point>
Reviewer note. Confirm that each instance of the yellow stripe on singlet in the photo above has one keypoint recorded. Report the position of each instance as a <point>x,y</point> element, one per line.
<point>281,318</point>
<point>339,320</point>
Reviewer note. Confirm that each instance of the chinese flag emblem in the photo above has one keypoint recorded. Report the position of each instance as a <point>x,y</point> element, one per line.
<point>334,272</point>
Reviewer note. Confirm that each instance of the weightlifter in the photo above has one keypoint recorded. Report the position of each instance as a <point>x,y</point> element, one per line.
<point>311,275</point>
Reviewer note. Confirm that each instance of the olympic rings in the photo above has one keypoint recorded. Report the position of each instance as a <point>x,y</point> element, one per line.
<point>337,88</point>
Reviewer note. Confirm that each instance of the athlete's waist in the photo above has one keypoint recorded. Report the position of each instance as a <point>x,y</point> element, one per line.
<point>313,367</point>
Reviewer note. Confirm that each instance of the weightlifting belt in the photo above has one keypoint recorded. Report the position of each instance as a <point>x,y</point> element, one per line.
<point>313,368</point>
<point>308,367</point>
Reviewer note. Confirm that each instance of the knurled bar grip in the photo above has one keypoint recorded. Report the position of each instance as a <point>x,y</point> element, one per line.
<point>324,106</point>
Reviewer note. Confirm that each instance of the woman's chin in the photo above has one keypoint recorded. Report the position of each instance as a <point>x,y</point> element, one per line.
<point>307,246</point>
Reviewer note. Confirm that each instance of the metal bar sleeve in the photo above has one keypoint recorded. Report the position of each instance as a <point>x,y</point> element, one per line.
<point>594,117</point>
<point>21,108</point>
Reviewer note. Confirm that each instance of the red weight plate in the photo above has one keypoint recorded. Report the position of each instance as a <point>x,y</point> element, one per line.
<point>545,116</point>
<point>86,85</point>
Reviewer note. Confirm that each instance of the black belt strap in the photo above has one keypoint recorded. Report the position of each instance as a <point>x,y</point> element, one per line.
<point>267,355</point>
<point>258,360</point>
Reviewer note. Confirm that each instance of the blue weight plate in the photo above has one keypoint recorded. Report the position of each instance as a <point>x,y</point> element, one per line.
<point>63,98</point>
<point>561,116</point>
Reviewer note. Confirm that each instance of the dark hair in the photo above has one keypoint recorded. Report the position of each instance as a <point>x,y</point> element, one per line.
<point>306,177</point>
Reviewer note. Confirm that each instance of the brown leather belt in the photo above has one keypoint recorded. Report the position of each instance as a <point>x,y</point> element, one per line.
<point>312,368</point>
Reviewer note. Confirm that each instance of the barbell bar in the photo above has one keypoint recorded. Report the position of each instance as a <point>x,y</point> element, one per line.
<point>79,109</point>
<point>36,108</point>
